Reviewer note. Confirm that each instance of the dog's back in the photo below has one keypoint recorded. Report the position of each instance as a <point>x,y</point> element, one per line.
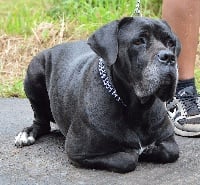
<point>61,75</point>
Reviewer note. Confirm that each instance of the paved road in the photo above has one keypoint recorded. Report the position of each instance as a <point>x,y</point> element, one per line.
<point>46,163</point>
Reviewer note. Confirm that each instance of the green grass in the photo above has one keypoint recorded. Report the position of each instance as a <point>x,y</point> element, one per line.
<point>15,89</point>
<point>93,13</point>
<point>20,16</point>
<point>89,14</point>
<point>197,78</point>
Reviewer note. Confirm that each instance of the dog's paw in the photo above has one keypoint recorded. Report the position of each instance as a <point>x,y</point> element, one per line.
<point>24,139</point>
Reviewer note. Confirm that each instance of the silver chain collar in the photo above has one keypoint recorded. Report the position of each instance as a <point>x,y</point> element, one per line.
<point>107,83</point>
<point>137,11</point>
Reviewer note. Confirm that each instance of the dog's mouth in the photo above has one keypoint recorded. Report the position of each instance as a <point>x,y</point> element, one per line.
<point>166,88</point>
<point>161,85</point>
<point>163,92</point>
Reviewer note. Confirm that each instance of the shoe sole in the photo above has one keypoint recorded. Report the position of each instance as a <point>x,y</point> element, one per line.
<point>188,127</point>
<point>186,133</point>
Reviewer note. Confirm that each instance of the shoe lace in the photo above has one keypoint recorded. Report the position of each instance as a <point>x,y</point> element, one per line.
<point>188,98</point>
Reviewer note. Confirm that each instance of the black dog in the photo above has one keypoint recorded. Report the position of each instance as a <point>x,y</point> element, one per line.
<point>107,95</point>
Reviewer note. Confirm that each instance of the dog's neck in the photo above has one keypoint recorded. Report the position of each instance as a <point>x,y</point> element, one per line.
<point>108,82</point>
<point>120,91</point>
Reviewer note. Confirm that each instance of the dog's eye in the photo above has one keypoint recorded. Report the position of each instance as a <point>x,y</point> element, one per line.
<point>170,43</point>
<point>139,41</point>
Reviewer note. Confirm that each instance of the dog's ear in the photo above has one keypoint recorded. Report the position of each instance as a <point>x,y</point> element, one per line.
<point>105,43</point>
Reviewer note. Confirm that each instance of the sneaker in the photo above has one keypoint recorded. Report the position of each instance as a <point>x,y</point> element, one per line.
<point>184,111</point>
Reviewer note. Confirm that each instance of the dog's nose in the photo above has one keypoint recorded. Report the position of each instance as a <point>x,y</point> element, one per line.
<point>166,57</point>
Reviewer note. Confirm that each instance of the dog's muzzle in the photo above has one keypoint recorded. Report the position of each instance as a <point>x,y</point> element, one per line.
<point>169,74</point>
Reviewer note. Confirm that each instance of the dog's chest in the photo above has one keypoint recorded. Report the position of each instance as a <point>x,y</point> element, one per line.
<point>144,133</point>
<point>146,125</point>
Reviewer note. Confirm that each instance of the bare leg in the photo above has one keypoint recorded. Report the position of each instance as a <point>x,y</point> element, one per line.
<point>184,18</point>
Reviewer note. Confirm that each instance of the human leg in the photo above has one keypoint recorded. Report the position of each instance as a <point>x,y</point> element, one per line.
<point>184,18</point>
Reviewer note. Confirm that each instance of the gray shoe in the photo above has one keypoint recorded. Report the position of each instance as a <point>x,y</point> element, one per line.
<point>184,111</point>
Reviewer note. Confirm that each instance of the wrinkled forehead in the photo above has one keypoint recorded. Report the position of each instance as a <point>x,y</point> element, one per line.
<point>140,25</point>
<point>152,24</point>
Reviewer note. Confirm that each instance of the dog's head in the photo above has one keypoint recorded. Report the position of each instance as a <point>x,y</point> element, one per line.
<point>144,52</point>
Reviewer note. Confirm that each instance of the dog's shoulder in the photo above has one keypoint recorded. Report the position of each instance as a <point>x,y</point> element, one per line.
<point>71,49</point>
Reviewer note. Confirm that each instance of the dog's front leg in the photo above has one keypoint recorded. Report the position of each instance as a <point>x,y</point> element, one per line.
<point>120,162</point>
<point>164,152</point>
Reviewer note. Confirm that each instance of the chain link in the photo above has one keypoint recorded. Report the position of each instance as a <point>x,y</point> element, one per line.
<point>137,11</point>
<point>107,83</point>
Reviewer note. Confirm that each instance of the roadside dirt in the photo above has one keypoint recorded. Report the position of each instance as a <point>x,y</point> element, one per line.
<point>16,52</point>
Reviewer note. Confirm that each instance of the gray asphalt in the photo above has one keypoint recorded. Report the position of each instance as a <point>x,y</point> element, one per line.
<point>46,162</point>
